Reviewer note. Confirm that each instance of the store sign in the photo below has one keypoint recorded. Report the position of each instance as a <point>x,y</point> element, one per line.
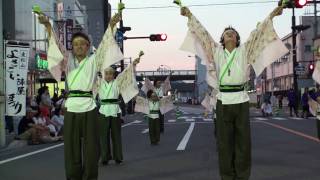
<point>16,59</point>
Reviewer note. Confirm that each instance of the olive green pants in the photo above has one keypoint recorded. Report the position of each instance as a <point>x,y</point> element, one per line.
<point>81,145</point>
<point>154,130</point>
<point>161,118</point>
<point>234,141</point>
<point>110,126</point>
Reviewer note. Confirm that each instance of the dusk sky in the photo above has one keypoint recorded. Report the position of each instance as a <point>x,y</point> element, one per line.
<point>168,20</point>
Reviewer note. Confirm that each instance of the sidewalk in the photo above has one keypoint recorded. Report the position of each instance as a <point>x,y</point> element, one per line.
<point>284,112</point>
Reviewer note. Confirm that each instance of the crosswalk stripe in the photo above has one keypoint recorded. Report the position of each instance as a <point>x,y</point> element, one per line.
<point>171,120</point>
<point>182,117</point>
<point>145,131</point>
<point>261,119</point>
<point>279,118</point>
<point>297,118</point>
<point>190,120</point>
<point>207,119</point>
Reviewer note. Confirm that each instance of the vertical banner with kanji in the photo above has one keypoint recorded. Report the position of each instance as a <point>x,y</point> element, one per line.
<point>16,58</point>
<point>69,32</point>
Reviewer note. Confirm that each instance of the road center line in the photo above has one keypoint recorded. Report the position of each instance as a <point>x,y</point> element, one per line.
<point>185,139</point>
<point>291,131</point>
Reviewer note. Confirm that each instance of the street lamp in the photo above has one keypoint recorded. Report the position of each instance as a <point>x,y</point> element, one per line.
<point>163,69</point>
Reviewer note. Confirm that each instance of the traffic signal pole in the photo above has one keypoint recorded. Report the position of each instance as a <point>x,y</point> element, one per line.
<point>152,37</point>
<point>2,89</point>
<point>294,54</point>
<point>138,37</point>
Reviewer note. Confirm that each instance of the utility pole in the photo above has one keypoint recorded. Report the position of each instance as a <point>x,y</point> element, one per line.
<point>294,54</point>
<point>315,27</point>
<point>315,30</point>
<point>2,89</point>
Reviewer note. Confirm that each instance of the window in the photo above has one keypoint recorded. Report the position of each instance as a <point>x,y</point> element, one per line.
<point>307,48</point>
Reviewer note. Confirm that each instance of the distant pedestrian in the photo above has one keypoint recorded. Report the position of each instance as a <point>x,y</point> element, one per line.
<point>280,99</point>
<point>304,102</point>
<point>292,99</point>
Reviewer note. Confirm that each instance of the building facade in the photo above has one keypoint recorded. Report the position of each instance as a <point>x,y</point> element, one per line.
<point>99,13</point>
<point>200,84</point>
<point>279,75</point>
<point>21,24</point>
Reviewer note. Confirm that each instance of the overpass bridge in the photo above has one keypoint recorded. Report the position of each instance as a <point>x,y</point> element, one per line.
<point>176,75</point>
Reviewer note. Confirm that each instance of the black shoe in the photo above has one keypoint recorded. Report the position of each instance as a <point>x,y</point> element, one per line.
<point>118,162</point>
<point>17,138</point>
<point>105,163</point>
<point>154,143</point>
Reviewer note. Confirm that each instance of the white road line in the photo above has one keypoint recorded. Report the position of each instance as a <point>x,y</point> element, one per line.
<point>171,120</point>
<point>134,122</point>
<point>197,117</point>
<point>145,131</point>
<point>179,123</point>
<point>30,154</point>
<point>183,117</point>
<point>190,120</point>
<point>260,119</point>
<point>207,119</point>
<point>52,147</point>
<point>297,118</point>
<point>279,118</point>
<point>185,139</point>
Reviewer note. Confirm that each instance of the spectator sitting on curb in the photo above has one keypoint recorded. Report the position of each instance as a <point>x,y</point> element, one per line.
<point>58,119</point>
<point>266,108</point>
<point>26,122</point>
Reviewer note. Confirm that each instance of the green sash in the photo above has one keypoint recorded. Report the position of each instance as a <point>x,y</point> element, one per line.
<point>74,78</point>
<point>108,92</point>
<point>108,89</point>
<point>229,62</point>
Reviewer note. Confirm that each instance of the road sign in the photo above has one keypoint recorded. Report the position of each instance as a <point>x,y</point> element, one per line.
<point>119,36</point>
<point>300,70</point>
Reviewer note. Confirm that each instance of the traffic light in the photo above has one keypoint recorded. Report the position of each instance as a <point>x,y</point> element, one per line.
<point>293,3</point>
<point>158,37</point>
<point>300,3</point>
<point>310,69</point>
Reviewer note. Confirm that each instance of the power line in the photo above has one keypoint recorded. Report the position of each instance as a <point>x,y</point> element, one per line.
<point>205,5</point>
<point>192,5</point>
